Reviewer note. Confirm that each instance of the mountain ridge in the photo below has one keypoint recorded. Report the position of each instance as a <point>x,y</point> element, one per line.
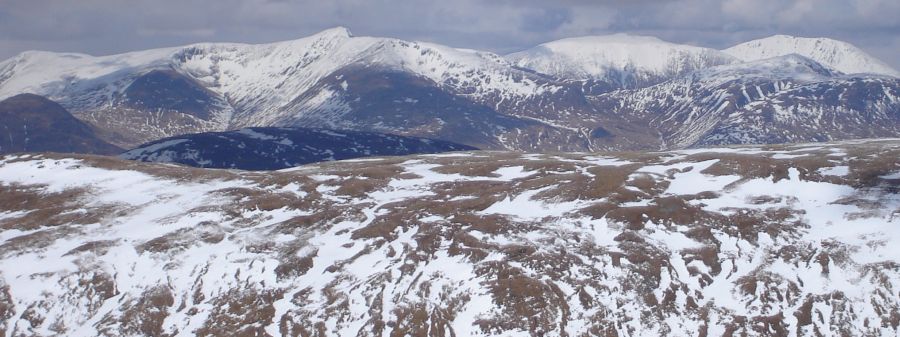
<point>337,80</point>
<point>626,60</point>
<point>839,55</point>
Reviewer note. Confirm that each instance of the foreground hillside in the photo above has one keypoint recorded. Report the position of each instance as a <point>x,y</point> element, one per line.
<point>775,241</point>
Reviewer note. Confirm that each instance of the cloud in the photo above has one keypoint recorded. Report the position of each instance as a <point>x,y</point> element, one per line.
<point>545,19</point>
<point>110,26</point>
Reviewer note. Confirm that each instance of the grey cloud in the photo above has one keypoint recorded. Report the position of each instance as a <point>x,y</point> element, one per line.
<point>545,20</point>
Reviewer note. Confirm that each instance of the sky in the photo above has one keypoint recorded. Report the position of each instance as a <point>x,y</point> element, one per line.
<point>101,27</point>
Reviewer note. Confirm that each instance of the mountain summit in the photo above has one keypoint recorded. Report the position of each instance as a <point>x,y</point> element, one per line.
<point>626,60</point>
<point>839,55</point>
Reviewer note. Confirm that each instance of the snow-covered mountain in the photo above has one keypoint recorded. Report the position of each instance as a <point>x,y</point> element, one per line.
<point>778,100</point>
<point>262,75</point>
<point>262,81</point>
<point>279,148</point>
<point>621,60</point>
<point>331,80</point>
<point>239,85</point>
<point>544,99</point>
<point>774,241</point>
<point>839,55</point>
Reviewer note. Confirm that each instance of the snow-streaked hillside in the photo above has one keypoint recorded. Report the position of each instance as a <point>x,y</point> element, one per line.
<point>789,240</point>
<point>778,100</point>
<point>791,67</point>
<point>626,60</point>
<point>839,55</point>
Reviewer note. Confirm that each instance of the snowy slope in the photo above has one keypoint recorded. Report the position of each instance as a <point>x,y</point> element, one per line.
<point>790,240</point>
<point>627,60</point>
<point>839,55</point>
<point>791,67</point>
<point>53,74</point>
<point>778,100</point>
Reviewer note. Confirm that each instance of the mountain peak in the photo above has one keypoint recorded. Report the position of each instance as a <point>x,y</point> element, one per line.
<point>792,37</point>
<point>339,31</point>
<point>611,38</point>
<point>840,55</point>
<point>624,57</point>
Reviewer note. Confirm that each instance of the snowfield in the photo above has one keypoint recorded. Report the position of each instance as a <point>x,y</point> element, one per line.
<point>790,240</point>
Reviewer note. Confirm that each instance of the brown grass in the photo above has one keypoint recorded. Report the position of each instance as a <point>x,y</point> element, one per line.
<point>205,232</point>
<point>241,313</point>
<point>141,316</point>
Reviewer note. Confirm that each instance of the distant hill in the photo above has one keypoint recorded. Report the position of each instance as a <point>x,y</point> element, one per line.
<point>278,148</point>
<point>33,123</point>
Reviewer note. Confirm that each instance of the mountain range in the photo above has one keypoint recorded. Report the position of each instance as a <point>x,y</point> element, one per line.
<point>618,92</point>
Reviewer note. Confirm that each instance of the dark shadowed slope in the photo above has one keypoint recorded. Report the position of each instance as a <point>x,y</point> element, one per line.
<point>32,123</point>
<point>278,148</point>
